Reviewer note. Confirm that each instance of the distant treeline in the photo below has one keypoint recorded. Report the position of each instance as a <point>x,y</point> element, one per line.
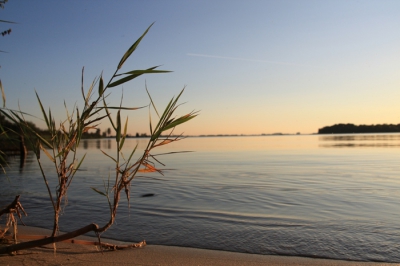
<point>10,142</point>
<point>10,134</point>
<point>351,128</point>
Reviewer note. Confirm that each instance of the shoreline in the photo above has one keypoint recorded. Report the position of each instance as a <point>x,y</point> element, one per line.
<point>76,254</point>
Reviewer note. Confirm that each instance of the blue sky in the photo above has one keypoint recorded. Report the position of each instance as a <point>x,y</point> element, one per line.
<point>250,67</point>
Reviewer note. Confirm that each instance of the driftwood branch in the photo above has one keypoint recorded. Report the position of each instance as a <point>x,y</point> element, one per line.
<point>16,207</point>
<point>49,240</point>
<point>86,242</point>
<point>43,240</point>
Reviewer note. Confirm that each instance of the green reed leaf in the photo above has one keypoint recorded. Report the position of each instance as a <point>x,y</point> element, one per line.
<point>118,133</point>
<point>126,108</point>
<point>8,116</point>
<point>7,21</point>
<point>47,153</point>
<point>80,162</point>
<point>3,95</point>
<point>109,156</point>
<point>150,124</point>
<point>108,114</point>
<point>151,100</point>
<point>145,71</point>
<point>42,139</point>
<point>124,134</point>
<point>135,74</point>
<point>132,48</point>
<point>89,93</point>
<point>98,191</point>
<point>130,156</point>
<point>43,112</point>
<point>101,86</point>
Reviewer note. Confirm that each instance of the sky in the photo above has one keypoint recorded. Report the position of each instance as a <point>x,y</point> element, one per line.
<point>249,67</point>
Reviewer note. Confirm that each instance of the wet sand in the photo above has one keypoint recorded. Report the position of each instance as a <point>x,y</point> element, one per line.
<point>76,254</point>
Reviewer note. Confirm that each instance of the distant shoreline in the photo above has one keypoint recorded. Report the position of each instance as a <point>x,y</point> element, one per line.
<point>249,135</point>
<point>359,129</point>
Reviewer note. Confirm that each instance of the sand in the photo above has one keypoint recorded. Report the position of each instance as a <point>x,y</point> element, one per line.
<point>150,255</point>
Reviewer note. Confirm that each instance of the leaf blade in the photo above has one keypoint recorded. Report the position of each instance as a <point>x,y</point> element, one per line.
<point>101,86</point>
<point>132,48</point>
<point>98,191</point>
<point>3,95</point>
<point>118,133</point>
<point>109,156</point>
<point>136,73</point>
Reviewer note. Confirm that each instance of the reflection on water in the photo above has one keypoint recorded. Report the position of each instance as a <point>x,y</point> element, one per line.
<point>360,141</point>
<point>97,144</point>
<point>265,194</point>
<point>108,144</point>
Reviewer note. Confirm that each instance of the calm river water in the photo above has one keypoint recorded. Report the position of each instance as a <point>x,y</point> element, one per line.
<point>328,196</point>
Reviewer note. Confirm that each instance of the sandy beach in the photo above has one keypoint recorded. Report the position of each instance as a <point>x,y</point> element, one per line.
<point>76,254</point>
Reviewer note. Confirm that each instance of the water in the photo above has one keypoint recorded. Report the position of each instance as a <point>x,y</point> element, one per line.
<point>327,196</point>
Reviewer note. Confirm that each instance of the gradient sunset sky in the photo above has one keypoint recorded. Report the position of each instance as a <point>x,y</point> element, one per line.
<point>250,67</point>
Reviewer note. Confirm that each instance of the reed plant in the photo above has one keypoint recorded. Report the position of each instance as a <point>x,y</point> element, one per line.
<point>60,142</point>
